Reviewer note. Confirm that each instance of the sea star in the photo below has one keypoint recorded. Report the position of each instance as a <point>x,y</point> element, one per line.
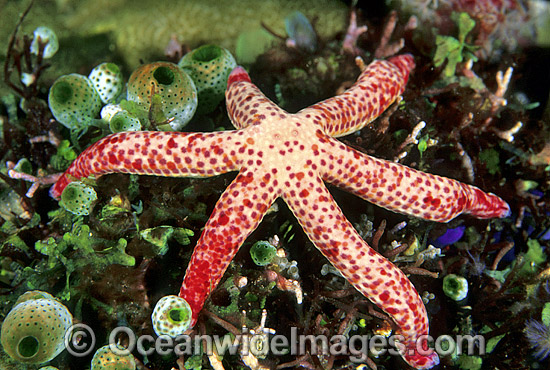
<point>278,154</point>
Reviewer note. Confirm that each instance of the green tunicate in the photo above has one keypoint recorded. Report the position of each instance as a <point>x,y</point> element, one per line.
<point>33,294</point>
<point>107,80</point>
<point>48,37</point>
<point>171,316</point>
<point>34,330</point>
<point>262,253</point>
<point>209,66</point>
<point>123,121</point>
<point>455,287</point>
<point>107,359</point>
<point>74,101</point>
<point>78,197</point>
<point>166,91</point>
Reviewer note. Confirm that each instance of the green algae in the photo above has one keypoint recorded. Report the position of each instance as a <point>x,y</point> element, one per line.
<point>76,250</point>
<point>159,236</point>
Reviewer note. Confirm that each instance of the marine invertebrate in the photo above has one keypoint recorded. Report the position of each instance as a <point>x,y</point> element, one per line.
<point>78,197</point>
<point>33,332</point>
<point>175,89</point>
<point>172,316</point>
<point>123,121</point>
<point>107,80</point>
<point>301,34</point>
<point>209,67</point>
<point>105,359</point>
<point>74,101</point>
<point>46,36</point>
<point>262,253</point>
<point>538,335</point>
<point>455,287</point>
<point>289,155</point>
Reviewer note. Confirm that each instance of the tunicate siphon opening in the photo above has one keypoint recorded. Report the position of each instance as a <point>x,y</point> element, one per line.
<point>28,346</point>
<point>164,75</point>
<point>62,92</point>
<point>70,194</point>
<point>111,67</point>
<point>178,315</point>
<point>207,53</point>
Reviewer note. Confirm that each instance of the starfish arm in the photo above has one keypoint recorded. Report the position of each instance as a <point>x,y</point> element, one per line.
<point>370,273</point>
<point>237,213</point>
<point>406,190</point>
<point>246,104</point>
<point>154,153</point>
<point>380,83</point>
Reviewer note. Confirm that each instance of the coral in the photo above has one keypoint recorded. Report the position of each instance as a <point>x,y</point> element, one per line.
<point>208,66</point>
<point>174,89</point>
<point>172,316</point>
<point>74,101</point>
<point>34,330</point>
<point>107,80</point>
<point>105,359</point>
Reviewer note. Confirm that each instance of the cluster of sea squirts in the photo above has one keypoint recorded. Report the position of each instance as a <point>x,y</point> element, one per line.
<point>35,332</point>
<point>158,96</point>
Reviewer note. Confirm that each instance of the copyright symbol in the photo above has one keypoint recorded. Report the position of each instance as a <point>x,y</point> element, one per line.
<point>79,340</point>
